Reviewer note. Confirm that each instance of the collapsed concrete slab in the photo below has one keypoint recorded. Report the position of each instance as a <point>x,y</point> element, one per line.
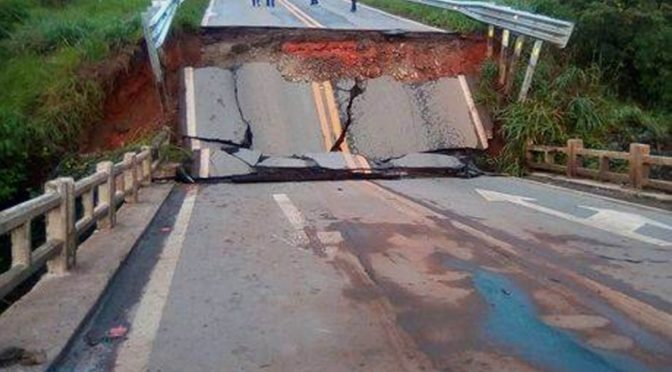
<point>338,161</point>
<point>211,105</point>
<point>250,157</point>
<point>390,119</point>
<point>284,162</point>
<point>282,114</point>
<point>427,161</point>
<point>212,162</point>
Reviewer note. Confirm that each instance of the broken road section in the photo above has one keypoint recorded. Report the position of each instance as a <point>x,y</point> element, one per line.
<point>390,119</point>
<point>217,118</point>
<point>267,114</point>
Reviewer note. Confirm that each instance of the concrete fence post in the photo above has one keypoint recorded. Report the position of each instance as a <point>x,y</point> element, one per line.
<point>639,169</point>
<point>531,67</point>
<point>513,64</point>
<point>491,40</point>
<point>147,166</point>
<point>61,225</point>
<point>603,172</point>
<point>106,193</point>
<point>130,178</point>
<point>21,248</point>
<point>573,148</point>
<point>503,56</point>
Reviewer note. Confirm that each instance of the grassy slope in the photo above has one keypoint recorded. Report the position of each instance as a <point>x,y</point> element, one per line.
<point>51,91</point>
<point>567,100</point>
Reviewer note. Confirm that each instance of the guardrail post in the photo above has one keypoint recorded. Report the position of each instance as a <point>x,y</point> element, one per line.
<point>503,56</point>
<point>106,193</point>
<point>147,166</point>
<point>513,64</point>
<point>21,248</point>
<point>130,177</point>
<point>573,148</point>
<point>639,170</point>
<point>491,39</point>
<point>61,225</point>
<point>531,67</point>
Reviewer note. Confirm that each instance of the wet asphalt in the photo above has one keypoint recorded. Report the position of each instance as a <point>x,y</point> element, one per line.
<point>391,275</point>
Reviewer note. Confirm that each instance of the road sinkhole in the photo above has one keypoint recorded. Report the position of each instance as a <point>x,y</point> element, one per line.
<point>332,105</point>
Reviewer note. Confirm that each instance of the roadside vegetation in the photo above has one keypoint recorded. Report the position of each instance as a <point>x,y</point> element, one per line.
<point>611,86</point>
<point>55,68</point>
<point>58,59</point>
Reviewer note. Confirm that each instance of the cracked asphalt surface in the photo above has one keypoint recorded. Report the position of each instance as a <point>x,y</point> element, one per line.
<point>489,273</point>
<point>252,106</point>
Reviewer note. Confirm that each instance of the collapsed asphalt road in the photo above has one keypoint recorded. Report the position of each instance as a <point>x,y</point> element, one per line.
<point>274,118</point>
<point>390,275</point>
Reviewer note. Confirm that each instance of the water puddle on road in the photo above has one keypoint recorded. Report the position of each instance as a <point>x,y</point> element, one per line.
<point>513,323</point>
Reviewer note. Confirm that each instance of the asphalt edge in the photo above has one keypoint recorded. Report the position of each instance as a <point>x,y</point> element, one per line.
<point>656,202</point>
<point>24,316</point>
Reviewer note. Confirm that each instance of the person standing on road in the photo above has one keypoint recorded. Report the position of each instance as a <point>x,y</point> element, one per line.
<point>256,3</point>
<point>314,2</point>
<point>353,6</point>
<point>270,3</point>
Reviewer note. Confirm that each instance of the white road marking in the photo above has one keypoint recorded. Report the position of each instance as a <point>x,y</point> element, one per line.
<point>305,18</point>
<point>204,163</point>
<point>616,222</point>
<point>592,195</point>
<point>134,352</point>
<point>475,117</point>
<point>208,14</point>
<point>293,215</point>
<point>191,101</point>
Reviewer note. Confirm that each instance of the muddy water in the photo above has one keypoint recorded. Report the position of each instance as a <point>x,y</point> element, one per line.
<point>463,305</point>
<point>513,323</point>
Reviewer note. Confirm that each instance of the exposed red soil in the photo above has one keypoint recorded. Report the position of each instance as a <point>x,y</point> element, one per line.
<point>409,61</point>
<point>132,109</point>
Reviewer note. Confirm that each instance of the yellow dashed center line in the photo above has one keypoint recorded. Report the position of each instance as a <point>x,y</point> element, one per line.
<point>319,105</point>
<point>301,15</point>
<point>325,103</point>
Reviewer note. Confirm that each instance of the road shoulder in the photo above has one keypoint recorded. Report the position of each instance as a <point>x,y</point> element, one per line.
<point>48,316</point>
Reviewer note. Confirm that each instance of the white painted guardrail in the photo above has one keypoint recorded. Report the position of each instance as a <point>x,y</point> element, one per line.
<point>99,196</point>
<point>156,21</point>
<point>537,26</point>
<point>522,24</point>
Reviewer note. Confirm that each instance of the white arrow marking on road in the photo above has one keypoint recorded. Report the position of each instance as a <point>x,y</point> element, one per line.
<point>620,223</point>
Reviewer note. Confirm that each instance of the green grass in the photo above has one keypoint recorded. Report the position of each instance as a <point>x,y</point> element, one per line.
<point>428,15</point>
<point>609,87</point>
<point>51,93</point>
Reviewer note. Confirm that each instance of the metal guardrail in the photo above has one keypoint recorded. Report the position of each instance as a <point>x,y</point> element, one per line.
<point>537,26</point>
<point>638,158</point>
<point>156,23</point>
<point>100,195</point>
<point>523,24</point>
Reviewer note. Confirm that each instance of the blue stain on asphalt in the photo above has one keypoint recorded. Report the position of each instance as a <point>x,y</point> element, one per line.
<point>512,322</point>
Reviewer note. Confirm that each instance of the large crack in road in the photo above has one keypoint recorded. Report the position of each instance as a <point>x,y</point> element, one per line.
<point>357,89</point>
<point>385,106</point>
<point>247,142</point>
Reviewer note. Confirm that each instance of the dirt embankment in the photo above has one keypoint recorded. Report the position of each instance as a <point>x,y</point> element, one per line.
<point>410,61</point>
<point>132,108</point>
